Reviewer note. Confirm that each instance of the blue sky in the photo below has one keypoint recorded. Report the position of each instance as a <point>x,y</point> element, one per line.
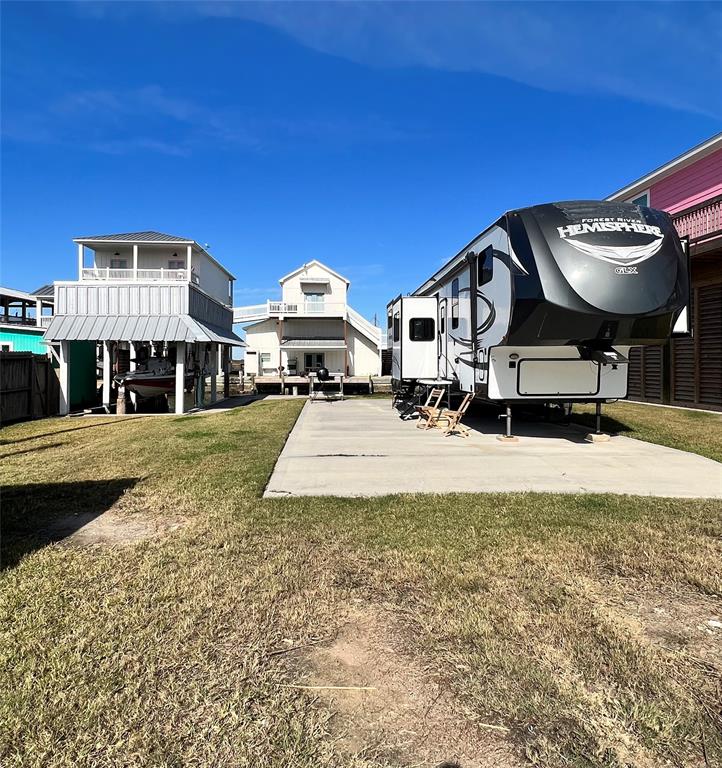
<point>378,138</point>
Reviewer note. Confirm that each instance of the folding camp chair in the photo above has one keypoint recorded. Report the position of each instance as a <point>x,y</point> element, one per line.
<point>450,421</point>
<point>430,410</point>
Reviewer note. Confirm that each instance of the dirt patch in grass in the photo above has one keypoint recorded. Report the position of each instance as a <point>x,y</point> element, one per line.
<point>110,528</point>
<point>393,709</point>
<point>677,620</point>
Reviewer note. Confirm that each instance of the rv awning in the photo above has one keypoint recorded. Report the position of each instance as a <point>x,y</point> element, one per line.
<point>134,328</point>
<point>313,344</point>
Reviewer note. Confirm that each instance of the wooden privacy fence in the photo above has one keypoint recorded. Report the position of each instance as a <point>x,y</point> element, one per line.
<point>29,387</point>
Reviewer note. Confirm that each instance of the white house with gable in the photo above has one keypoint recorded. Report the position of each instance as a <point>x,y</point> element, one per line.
<point>311,327</point>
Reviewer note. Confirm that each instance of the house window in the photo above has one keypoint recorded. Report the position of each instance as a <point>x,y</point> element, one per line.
<point>455,303</point>
<point>397,326</point>
<point>265,361</point>
<point>176,264</point>
<point>642,199</point>
<point>485,266</point>
<point>421,329</point>
<point>442,319</point>
<point>312,361</point>
<point>292,366</point>
<point>119,263</point>
<point>314,302</point>
<point>6,346</point>
<point>389,321</point>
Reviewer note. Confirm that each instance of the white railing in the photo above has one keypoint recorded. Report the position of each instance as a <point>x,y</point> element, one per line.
<point>27,321</point>
<point>361,322</point>
<point>143,275</point>
<point>251,312</point>
<point>326,308</point>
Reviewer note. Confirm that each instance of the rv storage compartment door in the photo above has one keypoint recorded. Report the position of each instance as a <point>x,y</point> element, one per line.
<point>542,378</point>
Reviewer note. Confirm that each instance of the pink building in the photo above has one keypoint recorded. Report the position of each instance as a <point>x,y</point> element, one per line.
<point>687,371</point>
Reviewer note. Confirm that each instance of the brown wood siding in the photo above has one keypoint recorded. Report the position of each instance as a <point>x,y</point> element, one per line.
<point>634,389</point>
<point>683,372</point>
<point>709,335</point>
<point>646,366</point>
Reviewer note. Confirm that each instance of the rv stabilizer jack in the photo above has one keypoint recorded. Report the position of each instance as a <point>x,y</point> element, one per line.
<point>507,437</point>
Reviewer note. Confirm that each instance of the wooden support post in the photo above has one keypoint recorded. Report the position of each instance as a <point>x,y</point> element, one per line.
<point>135,262</point>
<point>214,372</point>
<point>64,376</point>
<point>133,367</point>
<point>107,363</point>
<point>80,261</point>
<point>226,371</point>
<point>180,370</point>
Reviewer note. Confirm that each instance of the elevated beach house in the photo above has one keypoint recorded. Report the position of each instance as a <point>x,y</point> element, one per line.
<point>687,371</point>
<point>24,318</point>
<point>312,326</point>
<point>156,306</point>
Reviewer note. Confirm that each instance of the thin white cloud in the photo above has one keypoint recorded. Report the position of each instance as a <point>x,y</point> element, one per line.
<point>668,54</point>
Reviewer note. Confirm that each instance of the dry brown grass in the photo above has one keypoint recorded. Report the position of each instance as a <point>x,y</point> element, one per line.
<point>537,613</point>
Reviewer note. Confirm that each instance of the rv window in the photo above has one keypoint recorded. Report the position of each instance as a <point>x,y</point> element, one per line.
<point>397,327</point>
<point>455,303</point>
<point>485,268</point>
<point>421,329</point>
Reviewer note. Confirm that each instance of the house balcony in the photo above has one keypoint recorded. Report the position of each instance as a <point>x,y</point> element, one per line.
<point>137,275</point>
<point>25,322</point>
<point>284,309</point>
<point>702,223</point>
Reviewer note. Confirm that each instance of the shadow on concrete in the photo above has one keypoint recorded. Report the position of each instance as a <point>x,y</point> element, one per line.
<point>488,419</point>
<point>609,425</point>
<point>38,514</point>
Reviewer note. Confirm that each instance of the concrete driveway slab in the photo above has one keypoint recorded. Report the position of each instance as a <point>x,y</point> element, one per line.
<point>362,448</point>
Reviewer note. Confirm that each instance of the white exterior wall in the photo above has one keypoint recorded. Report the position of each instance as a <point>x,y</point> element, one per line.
<point>335,292</point>
<point>213,279</point>
<point>363,354</point>
<point>149,256</point>
<point>262,337</point>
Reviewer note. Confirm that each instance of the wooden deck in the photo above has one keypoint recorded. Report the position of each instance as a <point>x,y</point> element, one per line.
<point>299,384</point>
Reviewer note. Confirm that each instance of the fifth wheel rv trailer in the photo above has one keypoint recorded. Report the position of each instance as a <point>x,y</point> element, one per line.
<point>544,305</point>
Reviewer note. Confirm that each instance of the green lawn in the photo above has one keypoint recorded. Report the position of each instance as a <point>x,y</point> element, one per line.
<point>577,623</point>
<point>695,431</point>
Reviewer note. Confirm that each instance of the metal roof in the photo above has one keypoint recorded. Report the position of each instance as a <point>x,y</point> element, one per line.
<point>137,328</point>
<point>149,236</point>
<point>46,291</point>
<point>313,344</point>
<point>12,293</point>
